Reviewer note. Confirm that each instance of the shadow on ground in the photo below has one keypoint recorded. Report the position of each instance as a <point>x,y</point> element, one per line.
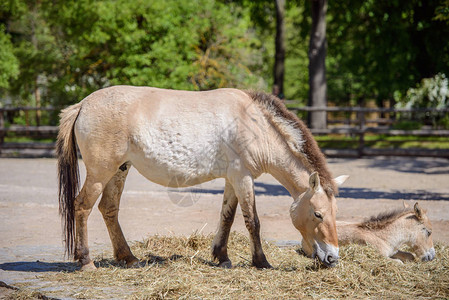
<point>38,266</point>
<point>434,166</point>
<point>259,187</point>
<point>345,192</point>
<point>362,193</point>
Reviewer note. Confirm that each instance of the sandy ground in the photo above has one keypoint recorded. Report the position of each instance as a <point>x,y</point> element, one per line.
<point>30,228</point>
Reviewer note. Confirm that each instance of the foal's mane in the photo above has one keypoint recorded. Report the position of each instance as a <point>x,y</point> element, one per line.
<point>384,219</point>
<point>298,137</point>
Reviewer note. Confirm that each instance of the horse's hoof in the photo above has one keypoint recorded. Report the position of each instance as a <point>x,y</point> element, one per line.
<point>263,265</point>
<point>88,267</point>
<point>135,263</point>
<point>225,264</point>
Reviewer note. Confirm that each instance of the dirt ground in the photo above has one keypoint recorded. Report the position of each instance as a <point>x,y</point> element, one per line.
<point>30,229</point>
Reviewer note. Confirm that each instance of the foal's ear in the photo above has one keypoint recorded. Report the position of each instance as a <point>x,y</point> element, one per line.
<point>406,204</point>
<point>314,181</point>
<point>341,179</point>
<point>418,211</point>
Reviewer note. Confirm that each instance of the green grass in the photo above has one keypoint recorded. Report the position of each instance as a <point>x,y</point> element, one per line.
<point>24,139</point>
<point>383,142</point>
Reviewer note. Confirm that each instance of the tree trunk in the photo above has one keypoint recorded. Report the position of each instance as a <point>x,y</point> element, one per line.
<point>37,94</point>
<point>317,67</point>
<point>278,85</point>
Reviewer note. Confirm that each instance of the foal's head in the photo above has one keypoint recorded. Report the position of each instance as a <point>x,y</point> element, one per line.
<point>421,241</point>
<point>313,214</point>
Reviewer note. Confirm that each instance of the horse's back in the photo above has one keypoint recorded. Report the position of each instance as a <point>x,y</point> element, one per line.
<point>166,134</point>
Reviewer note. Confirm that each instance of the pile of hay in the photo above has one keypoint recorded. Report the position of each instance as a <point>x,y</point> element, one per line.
<point>181,267</point>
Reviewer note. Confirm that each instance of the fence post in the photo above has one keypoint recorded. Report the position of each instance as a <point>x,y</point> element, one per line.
<point>361,119</point>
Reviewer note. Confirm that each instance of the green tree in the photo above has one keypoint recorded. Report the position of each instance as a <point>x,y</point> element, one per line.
<point>378,49</point>
<point>317,64</point>
<point>76,47</point>
<point>442,11</point>
<point>9,64</point>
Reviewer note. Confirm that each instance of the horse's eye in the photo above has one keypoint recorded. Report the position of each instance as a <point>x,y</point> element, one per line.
<point>318,215</point>
<point>428,232</point>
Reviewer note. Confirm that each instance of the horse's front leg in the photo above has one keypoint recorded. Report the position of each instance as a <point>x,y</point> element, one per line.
<point>109,208</point>
<point>220,243</point>
<point>403,256</point>
<point>244,189</point>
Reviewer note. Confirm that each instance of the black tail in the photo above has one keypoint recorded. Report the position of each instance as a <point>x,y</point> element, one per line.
<point>68,174</point>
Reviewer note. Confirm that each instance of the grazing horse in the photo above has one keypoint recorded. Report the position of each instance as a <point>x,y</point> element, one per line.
<point>183,138</point>
<point>389,231</point>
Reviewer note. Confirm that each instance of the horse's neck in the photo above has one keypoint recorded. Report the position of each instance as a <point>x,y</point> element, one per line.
<point>290,173</point>
<point>348,233</point>
<point>277,159</point>
<point>392,236</point>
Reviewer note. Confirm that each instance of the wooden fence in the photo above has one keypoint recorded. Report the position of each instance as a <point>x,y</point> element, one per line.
<point>359,127</point>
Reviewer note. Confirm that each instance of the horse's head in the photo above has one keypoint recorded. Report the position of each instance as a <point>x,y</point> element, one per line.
<point>422,244</point>
<point>313,214</point>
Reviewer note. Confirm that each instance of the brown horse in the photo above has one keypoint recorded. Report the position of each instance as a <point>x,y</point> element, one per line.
<point>182,138</point>
<point>389,231</point>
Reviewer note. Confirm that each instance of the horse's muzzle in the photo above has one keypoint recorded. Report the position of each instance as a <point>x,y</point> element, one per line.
<point>330,260</point>
<point>327,254</point>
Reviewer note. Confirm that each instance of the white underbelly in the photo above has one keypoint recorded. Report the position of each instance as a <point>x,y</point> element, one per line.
<point>174,155</point>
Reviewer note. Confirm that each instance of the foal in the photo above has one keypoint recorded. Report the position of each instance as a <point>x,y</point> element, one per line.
<point>389,231</point>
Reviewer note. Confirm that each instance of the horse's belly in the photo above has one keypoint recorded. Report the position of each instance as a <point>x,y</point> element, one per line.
<point>175,157</point>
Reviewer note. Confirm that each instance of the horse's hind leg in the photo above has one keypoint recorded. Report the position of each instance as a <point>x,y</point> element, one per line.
<point>109,208</point>
<point>220,244</point>
<point>92,188</point>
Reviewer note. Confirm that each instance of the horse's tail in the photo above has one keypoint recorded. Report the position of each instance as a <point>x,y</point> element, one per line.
<point>68,173</point>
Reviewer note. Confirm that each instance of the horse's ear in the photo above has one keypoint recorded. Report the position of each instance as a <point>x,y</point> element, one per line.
<point>406,204</point>
<point>418,211</point>
<point>341,179</point>
<point>314,181</point>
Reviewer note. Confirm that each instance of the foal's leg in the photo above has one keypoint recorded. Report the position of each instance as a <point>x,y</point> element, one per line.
<point>109,208</point>
<point>244,189</point>
<point>92,188</point>
<point>220,243</point>
<point>403,256</point>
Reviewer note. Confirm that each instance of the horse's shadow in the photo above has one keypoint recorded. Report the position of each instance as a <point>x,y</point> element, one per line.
<point>149,260</point>
<point>345,192</point>
<point>39,266</point>
<point>260,188</point>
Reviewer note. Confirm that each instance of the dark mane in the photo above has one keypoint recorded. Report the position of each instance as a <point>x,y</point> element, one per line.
<point>311,155</point>
<point>384,219</point>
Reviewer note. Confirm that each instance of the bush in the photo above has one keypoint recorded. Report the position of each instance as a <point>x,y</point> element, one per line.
<point>431,92</point>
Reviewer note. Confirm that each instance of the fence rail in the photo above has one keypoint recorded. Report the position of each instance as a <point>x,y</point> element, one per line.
<point>361,129</point>
<point>352,127</point>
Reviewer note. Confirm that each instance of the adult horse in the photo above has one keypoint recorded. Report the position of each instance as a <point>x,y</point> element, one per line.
<point>181,138</point>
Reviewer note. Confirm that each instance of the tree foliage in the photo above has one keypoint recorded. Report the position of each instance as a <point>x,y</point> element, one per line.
<point>377,48</point>
<point>69,48</point>
<point>9,65</point>
<point>81,46</point>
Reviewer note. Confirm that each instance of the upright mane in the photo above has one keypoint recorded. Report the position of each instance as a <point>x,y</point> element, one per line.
<point>384,219</point>
<point>298,137</point>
